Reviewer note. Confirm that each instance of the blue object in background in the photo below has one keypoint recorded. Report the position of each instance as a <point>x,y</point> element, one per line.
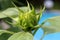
<point>39,33</point>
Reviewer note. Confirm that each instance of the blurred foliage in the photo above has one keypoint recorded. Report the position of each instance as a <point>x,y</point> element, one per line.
<point>56,6</point>
<point>4,4</point>
<point>4,36</point>
<point>24,20</point>
<point>52,25</point>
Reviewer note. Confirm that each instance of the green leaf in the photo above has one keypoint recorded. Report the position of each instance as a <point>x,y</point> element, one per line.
<point>4,36</point>
<point>11,12</point>
<point>52,25</point>
<point>5,31</point>
<point>20,11</point>
<point>39,15</point>
<point>41,11</point>
<point>28,5</point>
<point>21,36</point>
<point>5,4</point>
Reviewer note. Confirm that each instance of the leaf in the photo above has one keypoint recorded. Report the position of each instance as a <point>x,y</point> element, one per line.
<point>5,4</point>
<point>5,31</point>
<point>28,5</point>
<point>52,25</point>
<point>20,11</point>
<point>41,11</point>
<point>11,12</point>
<point>4,36</point>
<point>21,36</point>
<point>39,15</point>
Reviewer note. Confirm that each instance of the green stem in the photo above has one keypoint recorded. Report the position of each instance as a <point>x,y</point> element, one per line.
<point>35,31</point>
<point>38,28</point>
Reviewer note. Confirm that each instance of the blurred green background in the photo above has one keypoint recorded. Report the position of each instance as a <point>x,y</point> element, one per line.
<point>5,4</point>
<point>36,3</point>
